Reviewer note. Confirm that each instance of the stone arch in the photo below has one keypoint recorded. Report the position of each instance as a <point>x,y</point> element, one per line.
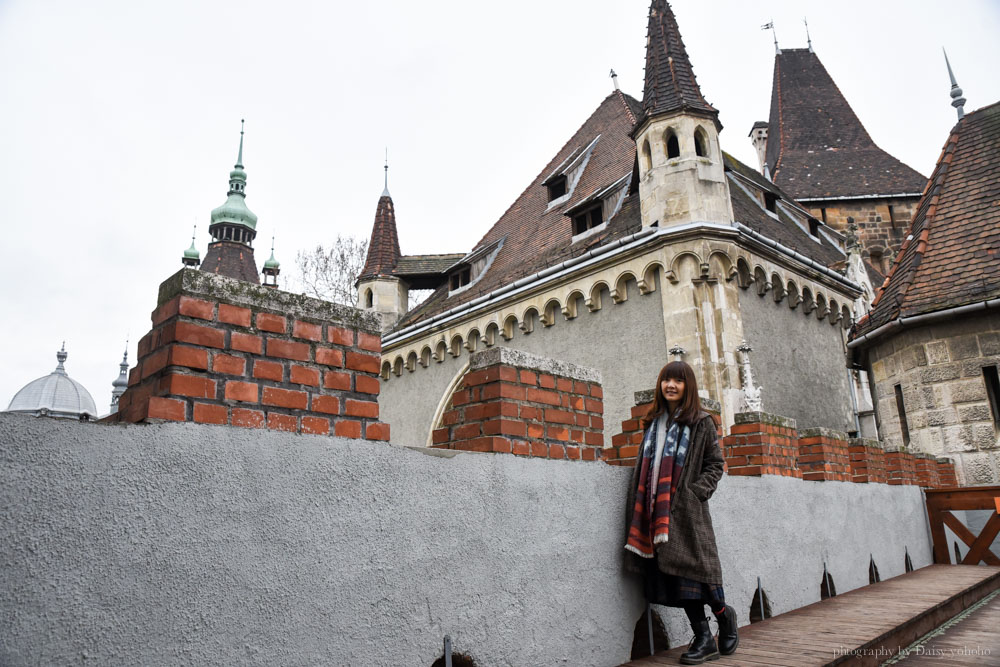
<point>594,302</point>
<point>792,292</point>
<point>368,298</point>
<point>743,275</point>
<point>492,331</point>
<point>509,324</point>
<point>386,369</point>
<point>620,293</point>
<point>822,310</point>
<point>528,320</point>
<point>440,351</point>
<point>411,361</point>
<point>701,144</point>
<point>456,345</point>
<point>425,356</point>
<point>722,264</point>
<point>648,282</point>
<point>550,311</point>
<point>472,339</point>
<point>760,280</point>
<point>808,300</point>
<point>571,308</point>
<point>845,317</point>
<point>397,365</point>
<point>834,315</point>
<point>671,144</point>
<point>778,290</point>
<point>681,261</point>
<point>445,401</point>
<point>647,156</point>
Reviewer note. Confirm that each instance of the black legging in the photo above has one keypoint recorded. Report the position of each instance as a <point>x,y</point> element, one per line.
<point>695,610</point>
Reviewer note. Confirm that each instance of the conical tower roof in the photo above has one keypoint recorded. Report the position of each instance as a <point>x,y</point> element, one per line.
<point>670,81</point>
<point>383,247</point>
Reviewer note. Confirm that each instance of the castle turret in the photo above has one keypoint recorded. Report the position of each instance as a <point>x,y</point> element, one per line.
<point>233,229</point>
<point>191,256</point>
<point>378,289</point>
<point>271,269</point>
<point>681,177</point>
<point>120,384</point>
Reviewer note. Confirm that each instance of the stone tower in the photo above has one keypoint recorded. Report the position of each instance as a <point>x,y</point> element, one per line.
<point>233,229</point>
<point>681,174</point>
<point>378,289</point>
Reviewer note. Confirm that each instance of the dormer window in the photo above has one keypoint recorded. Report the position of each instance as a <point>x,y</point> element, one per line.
<point>771,202</point>
<point>814,227</point>
<point>460,278</point>
<point>588,219</point>
<point>557,188</point>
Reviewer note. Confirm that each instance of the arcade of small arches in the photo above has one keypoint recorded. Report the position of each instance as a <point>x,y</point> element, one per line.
<point>643,275</point>
<point>671,145</point>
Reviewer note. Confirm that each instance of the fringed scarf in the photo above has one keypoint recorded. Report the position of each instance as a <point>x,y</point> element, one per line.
<point>664,448</point>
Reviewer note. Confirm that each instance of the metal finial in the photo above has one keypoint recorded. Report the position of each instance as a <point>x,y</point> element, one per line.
<point>808,39</point>
<point>272,245</point>
<point>61,357</point>
<point>957,100</point>
<point>194,232</point>
<point>385,191</point>
<point>770,26</point>
<point>614,78</point>
<point>239,159</point>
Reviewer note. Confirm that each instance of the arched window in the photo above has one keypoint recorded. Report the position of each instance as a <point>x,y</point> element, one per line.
<point>368,298</point>
<point>647,156</point>
<point>700,143</point>
<point>673,147</point>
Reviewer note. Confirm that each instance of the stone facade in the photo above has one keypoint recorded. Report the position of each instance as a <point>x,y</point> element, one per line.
<point>939,370</point>
<point>882,224</point>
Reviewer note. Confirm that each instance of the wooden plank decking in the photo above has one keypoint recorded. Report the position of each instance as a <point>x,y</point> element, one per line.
<point>865,626</point>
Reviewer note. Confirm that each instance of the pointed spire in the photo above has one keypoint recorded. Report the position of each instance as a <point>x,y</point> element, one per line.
<point>670,82</point>
<point>957,100</point>
<point>383,248</point>
<point>239,158</point>
<point>385,191</point>
<point>808,38</point>
<point>614,79</point>
<point>191,256</point>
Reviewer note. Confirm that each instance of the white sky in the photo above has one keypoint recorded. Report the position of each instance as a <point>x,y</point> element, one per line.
<point>121,122</point>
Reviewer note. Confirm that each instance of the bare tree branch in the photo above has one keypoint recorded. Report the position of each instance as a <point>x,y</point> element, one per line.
<point>329,273</point>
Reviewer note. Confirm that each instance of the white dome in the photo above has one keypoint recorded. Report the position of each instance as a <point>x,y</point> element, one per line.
<point>55,395</point>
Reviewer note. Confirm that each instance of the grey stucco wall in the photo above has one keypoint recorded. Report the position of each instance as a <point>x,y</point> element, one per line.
<point>191,544</point>
<point>799,362</point>
<point>624,342</point>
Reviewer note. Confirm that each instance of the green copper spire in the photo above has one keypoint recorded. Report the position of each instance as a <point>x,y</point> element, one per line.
<point>235,210</point>
<point>192,252</point>
<point>272,263</point>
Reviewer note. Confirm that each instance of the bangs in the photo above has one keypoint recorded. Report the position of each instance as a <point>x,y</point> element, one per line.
<point>675,370</point>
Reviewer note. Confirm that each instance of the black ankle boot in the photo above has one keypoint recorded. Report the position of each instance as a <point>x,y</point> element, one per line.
<point>702,647</point>
<point>729,638</point>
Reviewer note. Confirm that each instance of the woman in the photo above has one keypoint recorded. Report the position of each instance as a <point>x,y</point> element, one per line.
<point>669,532</point>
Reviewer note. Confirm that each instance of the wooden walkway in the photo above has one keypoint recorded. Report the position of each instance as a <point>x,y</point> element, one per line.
<point>973,640</point>
<point>866,626</point>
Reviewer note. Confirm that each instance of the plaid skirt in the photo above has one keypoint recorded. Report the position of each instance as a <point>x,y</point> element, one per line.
<point>673,591</point>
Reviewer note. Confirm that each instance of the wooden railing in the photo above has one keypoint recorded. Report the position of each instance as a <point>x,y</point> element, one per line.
<point>941,503</point>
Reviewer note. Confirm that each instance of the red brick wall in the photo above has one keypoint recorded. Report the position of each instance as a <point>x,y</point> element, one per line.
<point>900,467</point>
<point>824,455</point>
<point>762,444</point>
<point>252,363</point>
<point>867,461</point>
<point>524,411</point>
<point>927,471</point>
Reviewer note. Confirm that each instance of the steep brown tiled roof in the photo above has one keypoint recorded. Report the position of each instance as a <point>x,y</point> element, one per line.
<point>422,264</point>
<point>670,83</point>
<point>816,146</point>
<point>383,248</point>
<point>951,256</point>
<point>533,233</point>
<point>228,258</point>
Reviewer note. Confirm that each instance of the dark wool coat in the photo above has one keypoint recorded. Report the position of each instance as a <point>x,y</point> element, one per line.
<point>690,552</point>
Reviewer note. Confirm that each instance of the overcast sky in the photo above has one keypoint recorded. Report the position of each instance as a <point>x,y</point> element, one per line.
<point>121,123</point>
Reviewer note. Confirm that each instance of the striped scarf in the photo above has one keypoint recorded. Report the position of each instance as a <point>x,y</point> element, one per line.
<point>664,448</point>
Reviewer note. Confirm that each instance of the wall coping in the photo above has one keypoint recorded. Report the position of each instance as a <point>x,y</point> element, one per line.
<point>521,359</point>
<point>814,431</point>
<point>764,418</point>
<point>192,282</point>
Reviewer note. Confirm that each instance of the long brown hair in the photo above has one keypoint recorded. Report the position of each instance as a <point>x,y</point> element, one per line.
<point>690,406</point>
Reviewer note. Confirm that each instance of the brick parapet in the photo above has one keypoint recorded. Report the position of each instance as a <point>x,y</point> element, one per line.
<point>824,455</point>
<point>926,471</point>
<point>227,352</point>
<point>867,461</point>
<point>900,466</point>
<point>511,402</point>
<point>946,472</point>
<point>762,444</point>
